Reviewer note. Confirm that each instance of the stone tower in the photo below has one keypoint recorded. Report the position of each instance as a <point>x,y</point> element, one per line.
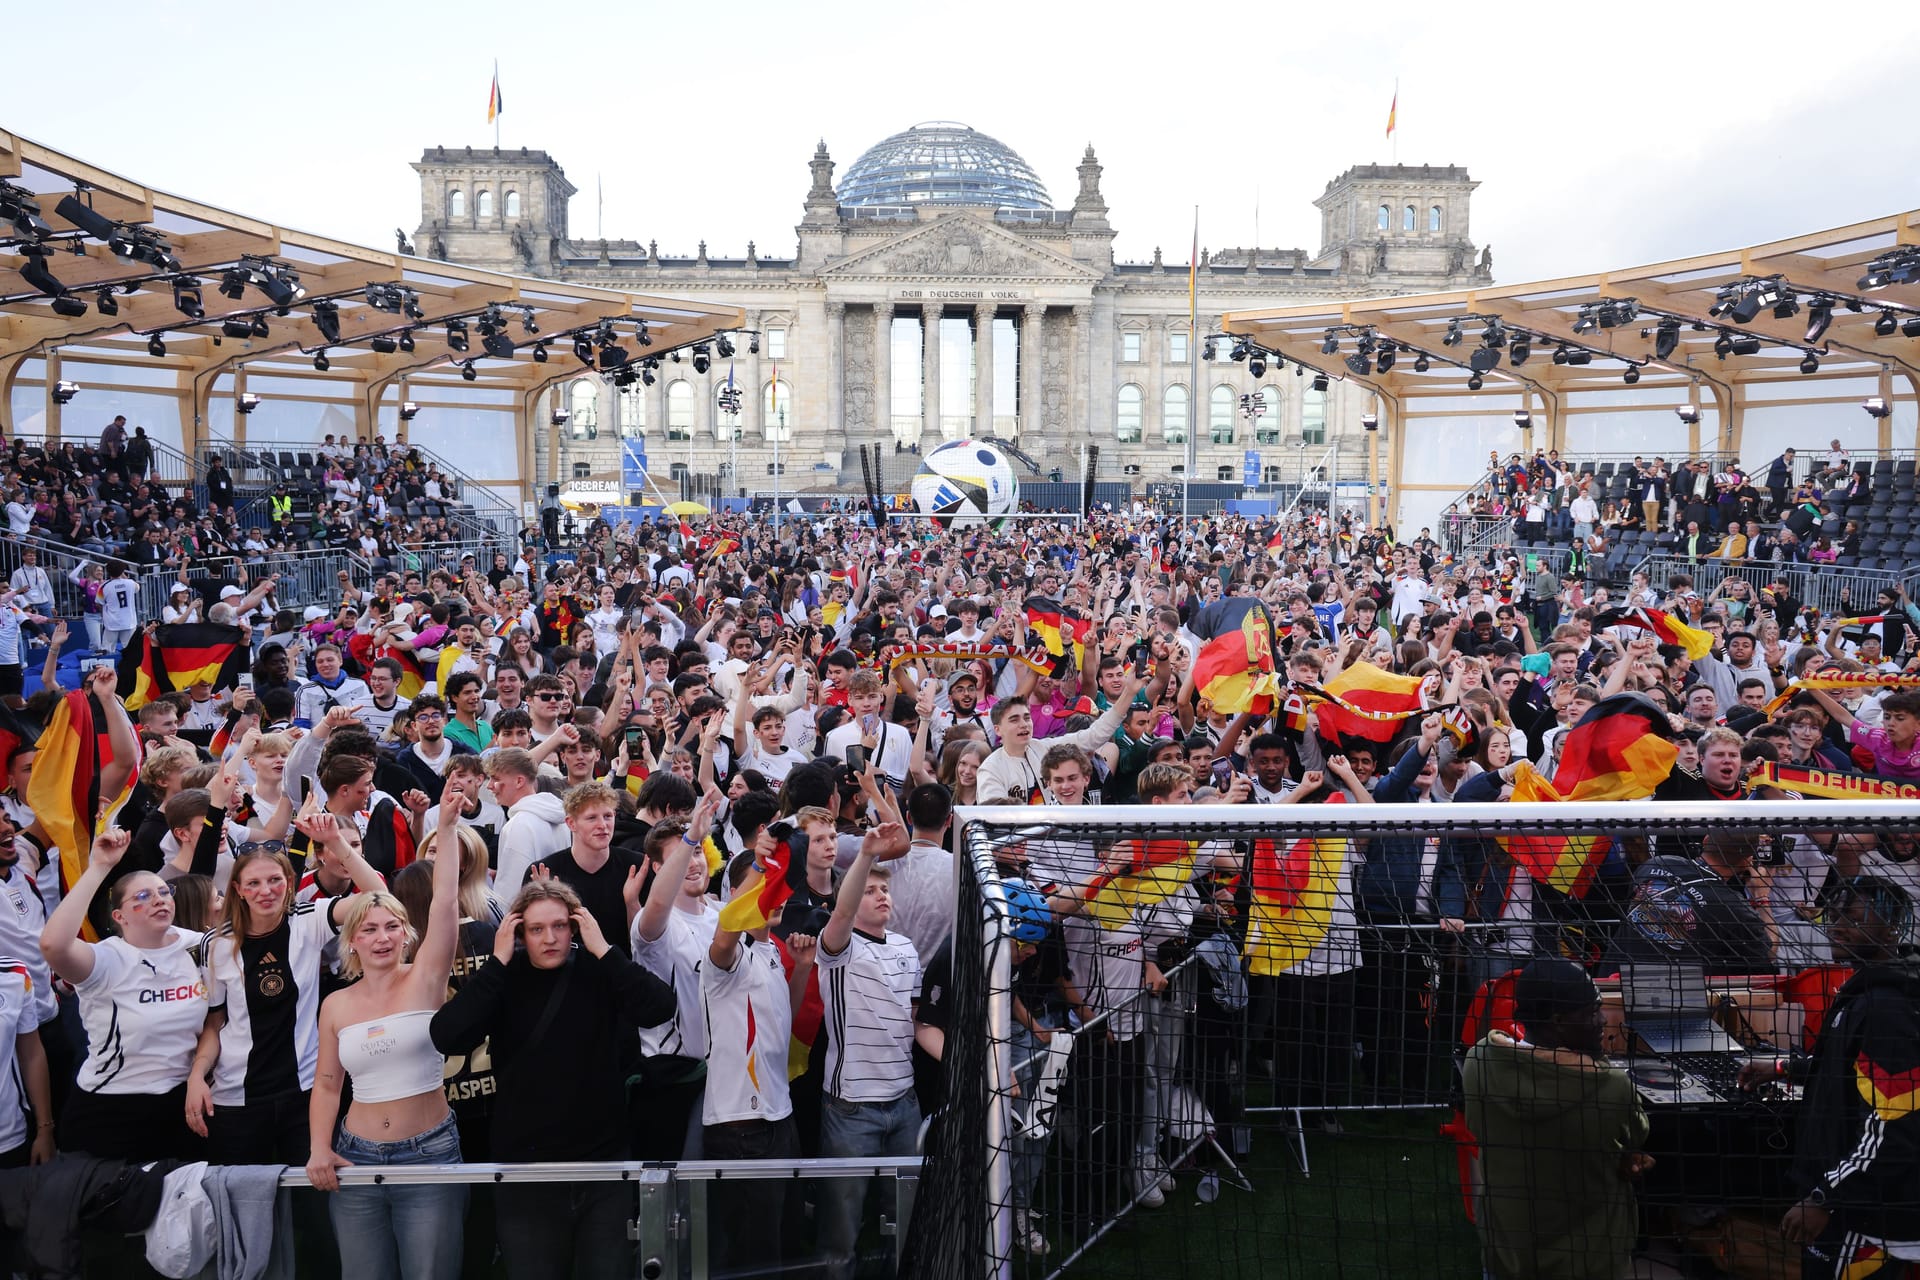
<point>1389,219</point>
<point>501,210</point>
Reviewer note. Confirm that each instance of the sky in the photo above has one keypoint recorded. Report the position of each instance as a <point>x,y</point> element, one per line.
<point>1600,135</point>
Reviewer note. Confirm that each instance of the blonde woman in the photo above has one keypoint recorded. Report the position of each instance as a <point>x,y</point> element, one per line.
<point>376,1033</point>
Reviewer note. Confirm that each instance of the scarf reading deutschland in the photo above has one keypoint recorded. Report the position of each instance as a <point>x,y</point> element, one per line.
<point>1830,784</point>
<point>1833,678</point>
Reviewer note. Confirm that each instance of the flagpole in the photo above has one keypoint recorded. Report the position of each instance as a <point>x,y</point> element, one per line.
<point>1193,362</point>
<point>496,114</point>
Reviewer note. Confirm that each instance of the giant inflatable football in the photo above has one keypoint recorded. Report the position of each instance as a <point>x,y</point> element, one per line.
<point>964,482</point>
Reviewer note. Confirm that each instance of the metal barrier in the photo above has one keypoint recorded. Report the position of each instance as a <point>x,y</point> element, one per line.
<point>169,466</point>
<point>1819,585</point>
<point>676,1222</point>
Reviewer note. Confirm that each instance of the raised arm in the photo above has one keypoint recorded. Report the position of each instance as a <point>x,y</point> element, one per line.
<point>114,775</point>
<point>60,941</point>
<point>886,841</point>
<point>433,956</point>
<point>652,921</point>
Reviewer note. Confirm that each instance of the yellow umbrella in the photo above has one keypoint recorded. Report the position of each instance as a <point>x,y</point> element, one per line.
<point>686,509</point>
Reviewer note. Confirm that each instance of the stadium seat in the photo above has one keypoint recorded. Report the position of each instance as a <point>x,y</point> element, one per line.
<point>1903,466</point>
<point>1605,469</point>
<point>306,461</point>
<point>286,461</point>
<point>1882,467</point>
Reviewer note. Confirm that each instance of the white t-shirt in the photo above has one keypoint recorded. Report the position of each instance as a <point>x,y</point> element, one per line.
<point>23,914</point>
<point>120,605</point>
<point>143,1011</point>
<point>16,1016</point>
<point>675,958</point>
<point>894,746</point>
<point>868,990</point>
<point>749,1024</point>
<point>605,638</point>
<point>775,767</point>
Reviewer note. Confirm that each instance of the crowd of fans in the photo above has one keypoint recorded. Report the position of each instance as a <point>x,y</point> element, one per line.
<point>535,783</point>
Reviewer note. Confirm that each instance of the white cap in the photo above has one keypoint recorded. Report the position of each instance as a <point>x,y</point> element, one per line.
<point>313,613</point>
<point>231,592</point>
<point>938,611</point>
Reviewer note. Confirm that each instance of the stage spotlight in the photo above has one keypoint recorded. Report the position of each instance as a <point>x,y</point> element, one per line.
<point>155,347</point>
<point>1483,359</point>
<point>1585,320</point>
<point>1688,413</point>
<point>753,342</point>
<point>1787,308</point>
<point>69,306</point>
<point>406,341</point>
<point>1361,363</point>
<point>612,357</point>
<point>280,284</point>
<point>539,353</point>
<point>582,348</point>
<point>1523,419</point>
<point>1319,382</point>
<point>1560,354</point>
<point>468,372</point>
<point>1257,364</point>
<point>1632,375</point>
<point>1369,422</point>
<point>528,325</point>
<point>237,327</point>
<point>1207,349</point>
<point>259,326</point>
<point>1384,361</point>
<point>106,304</point>
<point>1241,348</point>
<point>645,338</point>
<point>1745,344</point>
<point>64,391</point>
<point>1579,355</point>
<point>646,373</point>
<point>384,345</point>
<point>34,270</point>
<point>1519,351</point>
<point>723,345</point>
<point>321,362</point>
<point>456,335</point>
<point>84,216</point>
<point>1819,316</point>
<point>1910,327</point>
<point>21,211</point>
<point>1897,266</point>
<point>1886,324</point>
<point>233,283</point>
<point>326,318</point>
<point>561,417</point>
<point>1877,407</point>
<point>1810,363</point>
<point>1723,345</point>
<point>1331,344</point>
<point>498,345</point>
<point>1453,334</point>
<point>1666,339</point>
<point>409,411</point>
<point>1421,364</point>
<point>702,358</point>
<point>247,403</point>
<point>1475,382</point>
<point>186,298</point>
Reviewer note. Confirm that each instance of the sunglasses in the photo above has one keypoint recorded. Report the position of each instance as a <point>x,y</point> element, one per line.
<point>260,846</point>
<point>553,697</point>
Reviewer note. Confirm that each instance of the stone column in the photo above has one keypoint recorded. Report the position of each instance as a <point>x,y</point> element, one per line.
<point>1032,362</point>
<point>983,369</point>
<point>883,375</point>
<point>1082,424</point>
<point>836,441</point>
<point>930,436</point>
<point>753,404</point>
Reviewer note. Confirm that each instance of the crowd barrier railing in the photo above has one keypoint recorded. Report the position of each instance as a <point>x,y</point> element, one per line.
<point>1819,585</point>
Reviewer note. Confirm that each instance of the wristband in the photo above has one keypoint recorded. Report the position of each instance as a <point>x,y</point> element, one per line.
<point>689,841</point>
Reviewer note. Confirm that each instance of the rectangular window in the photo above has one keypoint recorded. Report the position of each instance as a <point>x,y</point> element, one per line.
<point>777,343</point>
<point>1313,418</point>
<point>581,470</point>
<point>1176,348</point>
<point>1130,347</point>
<point>1270,474</point>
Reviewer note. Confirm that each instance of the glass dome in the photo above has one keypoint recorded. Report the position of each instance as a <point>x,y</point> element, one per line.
<point>941,163</point>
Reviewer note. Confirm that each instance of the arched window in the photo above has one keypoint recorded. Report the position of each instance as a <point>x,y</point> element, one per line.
<point>583,403</point>
<point>1385,218</point>
<point>483,203</point>
<point>1435,220</point>
<point>1127,421</point>
<point>777,411</point>
<point>513,203</point>
<point>456,203</point>
<point>1313,417</point>
<point>680,410</point>
<point>1173,415</point>
<point>1220,407</point>
<point>631,404</point>
<point>1406,219</point>
<point>1268,426</point>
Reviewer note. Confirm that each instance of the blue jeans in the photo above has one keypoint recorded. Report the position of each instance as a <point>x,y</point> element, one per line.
<point>858,1129</point>
<point>401,1231</point>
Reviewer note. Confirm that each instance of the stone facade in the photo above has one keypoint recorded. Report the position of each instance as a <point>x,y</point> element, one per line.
<point>859,318</point>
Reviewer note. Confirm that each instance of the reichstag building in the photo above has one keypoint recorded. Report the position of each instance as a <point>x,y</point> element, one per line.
<point>936,290</point>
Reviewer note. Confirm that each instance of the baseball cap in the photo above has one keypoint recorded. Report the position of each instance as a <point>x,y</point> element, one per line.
<point>960,677</point>
<point>1547,988</point>
<point>312,613</point>
<point>938,611</point>
<point>231,592</point>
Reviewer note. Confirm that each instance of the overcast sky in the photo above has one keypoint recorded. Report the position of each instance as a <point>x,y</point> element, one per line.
<point>1601,135</point>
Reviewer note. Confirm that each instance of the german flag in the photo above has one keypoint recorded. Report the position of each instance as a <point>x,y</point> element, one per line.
<point>1670,629</point>
<point>1295,886</point>
<point>1620,750</point>
<point>163,659</point>
<point>1235,667</point>
<point>14,734</point>
<point>1156,870</point>
<point>1893,1095</point>
<point>754,906</point>
<point>1075,627</point>
<point>1365,703</point>
<point>64,788</point>
<point>637,774</point>
<point>413,678</point>
<point>1043,618</point>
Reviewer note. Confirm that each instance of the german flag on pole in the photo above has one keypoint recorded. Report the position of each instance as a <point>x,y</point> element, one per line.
<point>753,907</point>
<point>64,788</point>
<point>1043,618</point>
<point>163,659</point>
<point>1295,886</point>
<point>1670,629</point>
<point>1363,702</point>
<point>1234,669</point>
<point>1620,750</point>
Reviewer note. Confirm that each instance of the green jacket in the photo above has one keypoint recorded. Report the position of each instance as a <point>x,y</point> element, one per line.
<point>1553,1127</point>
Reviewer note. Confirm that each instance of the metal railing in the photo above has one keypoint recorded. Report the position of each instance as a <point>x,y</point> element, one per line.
<point>1321,478</point>
<point>169,466</point>
<point>482,507</point>
<point>1819,585</point>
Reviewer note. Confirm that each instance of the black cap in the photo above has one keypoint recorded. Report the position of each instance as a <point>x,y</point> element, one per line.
<point>1547,988</point>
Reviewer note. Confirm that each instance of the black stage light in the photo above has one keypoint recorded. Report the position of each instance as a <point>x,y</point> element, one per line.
<point>64,391</point>
<point>326,318</point>
<point>246,403</point>
<point>1810,363</point>
<point>384,345</point>
<point>1331,345</point>
<point>409,411</point>
<point>84,216</point>
<point>186,297</point>
<point>1885,324</point>
<point>1384,361</point>
<point>1453,334</point>
<point>406,341</point>
<point>1666,339</point>
<point>539,353</point>
<point>34,270</point>
<point>468,372</point>
<point>21,211</point>
<point>260,329</point>
<point>1319,382</point>
<point>1257,364</point>
<point>321,362</point>
<point>1361,363</point>
<point>582,348</point>
<point>1723,344</point>
<point>155,347</point>
<point>1746,344</point>
<point>498,345</point>
<point>1910,327</point>
<point>233,283</point>
<point>1632,375</point>
<point>106,304</point>
<point>237,327</point>
<point>1475,382</point>
<point>1819,316</point>
<point>1519,351</point>
<point>1421,364</point>
<point>456,335</point>
<point>1483,359</point>
<point>69,306</point>
<point>723,345</point>
<point>702,358</point>
<point>1579,355</point>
